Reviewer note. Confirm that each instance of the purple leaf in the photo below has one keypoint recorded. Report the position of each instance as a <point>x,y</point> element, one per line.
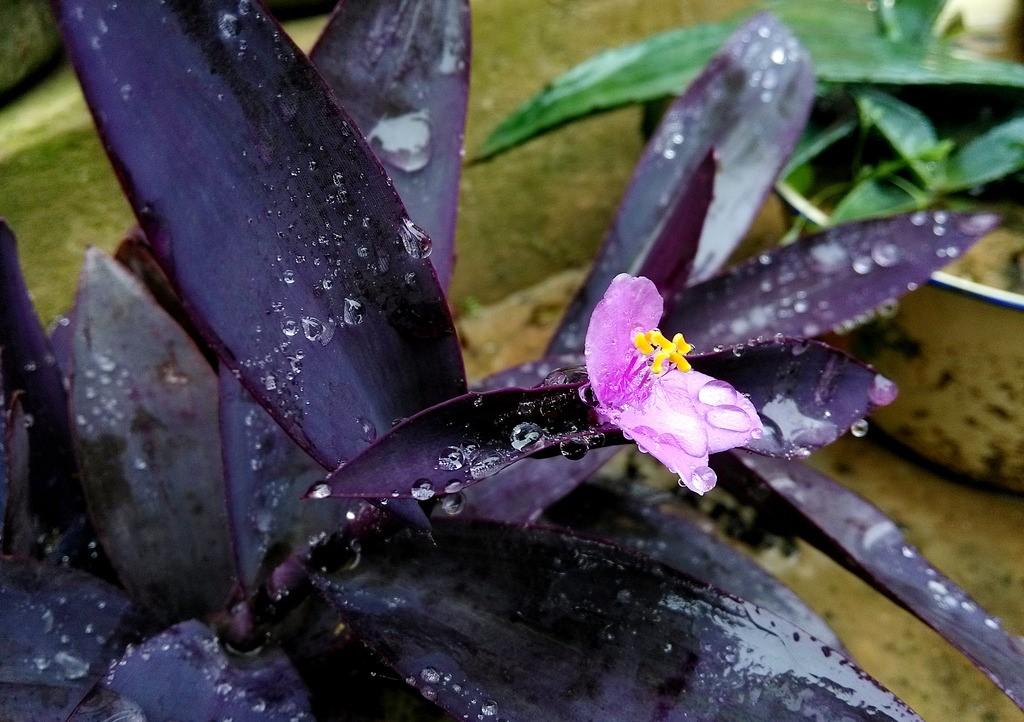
<point>806,392</point>
<point>59,630</point>
<point>183,675</point>
<point>18,525</point>
<point>676,536</point>
<point>102,705</point>
<point>29,365</point>
<point>859,536</point>
<point>402,70</point>
<point>543,625</point>
<point>825,280</point>
<point>344,327</point>
<point>522,492</point>
<point>266,474</point>
<point>61,334</point>
<point>656,231</point>
<point>447,447</point>
<point>144,402</point>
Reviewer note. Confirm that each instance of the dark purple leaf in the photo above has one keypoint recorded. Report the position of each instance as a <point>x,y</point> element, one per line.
<point>449,446</point>
<point>859,536</point>
<point>18,526</point>
<point>145,407</point>
<point>266,475</point>
<point>822,281</point>
<point>6,441</point>
<point>807,393</point>
<point>183,675</point>
<point>102,705</point>
<point>344,327</point>
<point>656,231</point>
<point>401,70</point>
<point>59,631</point>
<point>62,332</point>
<point>678,537</point>
<point>522,492</point>
<point>533,624</point>
<point>29,366</point>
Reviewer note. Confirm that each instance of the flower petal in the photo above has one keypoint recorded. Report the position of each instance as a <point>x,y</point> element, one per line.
<point>629,305</point>
<point>687,416</point>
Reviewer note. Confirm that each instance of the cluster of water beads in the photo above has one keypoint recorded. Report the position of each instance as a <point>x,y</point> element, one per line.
<point>430,678</point>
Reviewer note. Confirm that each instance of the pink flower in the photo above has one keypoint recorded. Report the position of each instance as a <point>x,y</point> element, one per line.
<point>645,386</point>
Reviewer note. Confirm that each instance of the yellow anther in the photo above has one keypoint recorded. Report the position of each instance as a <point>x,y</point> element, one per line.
<point>658,362</point>
<point>642,344</point>
<point>663,350</point>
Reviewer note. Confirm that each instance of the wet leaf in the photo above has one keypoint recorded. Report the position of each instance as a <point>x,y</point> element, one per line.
<point>904,127</point>
<point>844,44</point>
<point>402,71</point>
<point>183,675</point>
<point>452,445</point>
<point>859,536</point>
<point>266,474</point>
<point>18,525</point>
<point>678,537</point>
<point>102,705</point>
<point>816,140</point>
<point>878,198</point>
<point>345,327</point>
<point>822,281</point>
<point>54,502</point>
<point>144,403</point>
<point>548,626</point>
<point>59,631</point>
<point>911,20</point>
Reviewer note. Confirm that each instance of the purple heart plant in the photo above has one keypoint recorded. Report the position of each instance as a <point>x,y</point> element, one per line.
<point>278,328</point>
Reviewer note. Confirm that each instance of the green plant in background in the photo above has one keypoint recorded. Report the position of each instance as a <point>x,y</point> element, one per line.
<point>877,66</point>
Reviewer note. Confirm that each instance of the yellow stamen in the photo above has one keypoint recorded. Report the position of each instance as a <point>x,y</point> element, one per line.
<point>673,351</point>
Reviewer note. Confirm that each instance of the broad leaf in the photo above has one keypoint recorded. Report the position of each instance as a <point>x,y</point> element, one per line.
<point>842,38</point>
<point>266,474</point>
<point>54,501</point>
<point>816,140</point>
<point>183,675</point>
<point>144,402</point>
<point>59,631</point>
<point>904,127</point>
<point>868,543</point>
<point>18,525</point>
<point>402,70</point>
<point>988,157</point>
<point>678,537</point>
<point>545,626</point>
<point>447,447</point>
<point>911,20</point>
<point>344,326</point>
<point>877,198</point>
<point>822,281</point>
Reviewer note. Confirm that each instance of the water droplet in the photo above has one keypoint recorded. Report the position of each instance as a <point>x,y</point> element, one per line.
<point>485,462</point>
<point>403,141</point>
<point>573,449</point>
<point>919,218</point>
<point>289,327</point>
<point>729,418</point>
<point>859,428</point>
<point>422,490</point>
<point>453,504</point>
<point>489,708</point>
<point>317,330</point>
<point>862,265</point>
<point>414,240</point>
<point>269,382</point>
<point>369,430</point>
<point>320,491</point>
<point>525,435</point>
<point>885,254</point>
<point>70,665</point>
<point>938,230</point>
<point>352,314</point>
<point>882,391</point>
<point>450,459</point>
<point>288,277</point>
<point>702,480</point>
<point>716,393</point>
<point>228,25</point>
<point>430,675</point>
<point>588,395</point>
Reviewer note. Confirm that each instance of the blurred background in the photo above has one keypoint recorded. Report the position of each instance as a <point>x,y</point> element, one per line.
<point>948,459</point>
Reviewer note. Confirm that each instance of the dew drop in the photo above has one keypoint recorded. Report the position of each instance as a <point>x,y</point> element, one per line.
<point>422,490</point>
<point>573,449</point>
<point>320,491</point>
<point>352,314</point>
<point>728,418</point>
<point>403,141</point>
<point>430,675</point>
<point>289,327</point>
<point>702,480</point>
<point>859,428</point>
<point>716,393</point>
<point>885,254</point>
<point>288,277</point>
<point>489,708</point>
<point>862,265</point>
<point>414,240</point>
<point>453,504</point>
<point>451,459</point>
<point>525,435</point>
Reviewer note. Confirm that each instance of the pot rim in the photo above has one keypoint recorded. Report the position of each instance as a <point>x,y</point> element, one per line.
<point>979,291</point>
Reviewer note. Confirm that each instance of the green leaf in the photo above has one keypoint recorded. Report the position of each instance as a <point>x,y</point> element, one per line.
<point>815,140</point>
<point>842,37</point>
<point>874,198</point>
<point>910,20</point>
<point>990,156</point>
<point>905,128</point>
